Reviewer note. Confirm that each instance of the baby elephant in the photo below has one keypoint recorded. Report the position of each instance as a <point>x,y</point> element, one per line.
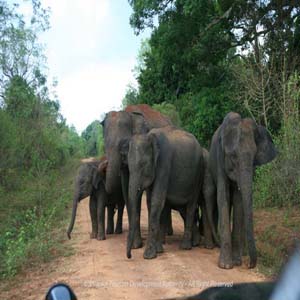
<point>91,182</point>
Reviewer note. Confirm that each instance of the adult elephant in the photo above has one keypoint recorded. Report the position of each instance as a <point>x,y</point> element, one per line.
<point>238,146</point>
<point>167,162</point>
<point>91,182</point>
<point>119,125</point>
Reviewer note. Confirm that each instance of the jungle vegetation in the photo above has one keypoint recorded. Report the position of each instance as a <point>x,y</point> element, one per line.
<point>38,151</point>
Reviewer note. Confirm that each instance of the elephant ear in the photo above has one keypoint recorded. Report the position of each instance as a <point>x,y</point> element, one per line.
<point>155,148</point>
<point>139,124</point>
<point>266,150</point>
<point>96,177</point>
<point>123,149</point>
<point>230,134</point>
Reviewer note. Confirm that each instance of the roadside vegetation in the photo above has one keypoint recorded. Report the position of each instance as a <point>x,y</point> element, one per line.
<point>39,152</point>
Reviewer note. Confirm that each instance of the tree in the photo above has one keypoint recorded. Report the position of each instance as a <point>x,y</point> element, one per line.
<point>93,136</point>
<point>20,52</point>
<point>131,96</point>
<point>186,63</point>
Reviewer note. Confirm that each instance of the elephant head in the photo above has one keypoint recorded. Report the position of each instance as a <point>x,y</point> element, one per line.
<point>117,126</point>
<point>142,153</point>
<point>88,179</point>
<point>245,145</point>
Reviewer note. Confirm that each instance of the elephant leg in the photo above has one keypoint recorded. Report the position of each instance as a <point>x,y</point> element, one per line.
<point>119,226</point>
<point>186,243</point>
<point>210,208</point>
<point>169,228</point>
<point>196,228</point>
<point>148,196</point>
<point>182,213</point>
<point>110,219</point>
<point>93,215</point>
<point>201,229</point>
<point>207,232</point>
<point>157,205</point>
<point>125,183</point>
<point>138,243</point>
<point>101,200</point>
<point>225,259</point>
<point>163,226</point>
<point>238,228</point>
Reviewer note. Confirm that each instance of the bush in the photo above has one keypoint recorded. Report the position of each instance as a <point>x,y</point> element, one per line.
<point>277,184</point>
<point>32,220</point>
<point>202,113</point>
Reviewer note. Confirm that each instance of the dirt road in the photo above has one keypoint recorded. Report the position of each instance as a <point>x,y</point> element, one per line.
<point>100,269</point>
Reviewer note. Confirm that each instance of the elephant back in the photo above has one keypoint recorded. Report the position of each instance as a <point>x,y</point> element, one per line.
<point>154,118</point>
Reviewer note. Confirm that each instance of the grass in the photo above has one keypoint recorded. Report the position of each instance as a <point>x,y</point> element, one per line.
<point>276,231</point>
<point>33,219</point>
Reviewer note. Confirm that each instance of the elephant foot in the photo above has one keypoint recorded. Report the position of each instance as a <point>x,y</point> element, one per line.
<point>209,244</point>
<point>225,263</point>
<point>138,243</point>
<point>252,263</point>
<point>196,239</point>
<point>101,237</point>
<point>118,230</point>
<point>109,231</point>
<point>186,244</point>
<point>237,261</point>
<point>93,235</point>
<point>150,252</point>
<point>159,248</point>
<point>196,242</point>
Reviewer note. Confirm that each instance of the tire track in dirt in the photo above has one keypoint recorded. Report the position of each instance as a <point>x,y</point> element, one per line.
<point>100,269</point>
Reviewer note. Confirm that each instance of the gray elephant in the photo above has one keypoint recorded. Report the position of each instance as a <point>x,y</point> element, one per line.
<point>91,182</point>
<point>238,146</point>
<point>119,125</point>
<point>167,162</point>
<point>206,216</point>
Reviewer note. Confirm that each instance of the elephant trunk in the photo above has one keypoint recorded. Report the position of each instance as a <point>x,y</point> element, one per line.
<point>246,191</point>
<point>113,171</point>
<point>74,210</point>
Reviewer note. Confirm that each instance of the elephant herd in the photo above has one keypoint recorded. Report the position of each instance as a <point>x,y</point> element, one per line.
<point>145,152</point>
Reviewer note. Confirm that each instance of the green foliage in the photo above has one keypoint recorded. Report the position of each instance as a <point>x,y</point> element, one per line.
<point>184,63</point>
<point>29,216</point>
<point>203,112</point>
<point>194,44</point>
<point>131,96</point>
<point>169,110</point>
<point>36,145</point>
<point>93,136</point>
<point>278,183</point>
<point>34,136</point>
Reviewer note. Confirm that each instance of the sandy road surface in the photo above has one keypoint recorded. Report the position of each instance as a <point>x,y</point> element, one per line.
<point>100,269</point>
